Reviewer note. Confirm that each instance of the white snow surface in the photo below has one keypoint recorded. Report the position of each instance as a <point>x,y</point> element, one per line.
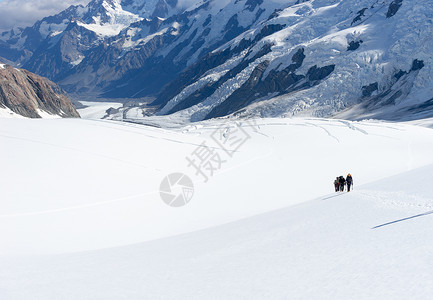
<point>96,110</point>
<point>6,112</point>
<point>52,29</point>
<point>46,115</point>
<point>427,122</point>
<point>118,19</point>
<point>81,216</point>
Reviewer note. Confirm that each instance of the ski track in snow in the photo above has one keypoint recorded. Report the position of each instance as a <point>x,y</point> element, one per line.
<point>305,242</point>
<point>78,150</point>
<point>326,130</point>
<point>351,126</point>
<point>399,200</point>
<point>154,136</point>
<point>51,211</point>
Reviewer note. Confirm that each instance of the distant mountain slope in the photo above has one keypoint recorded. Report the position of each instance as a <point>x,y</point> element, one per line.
<point>320,57</point>
<point>214,58</point>
<point>56,45</point>
<point>32,96</point>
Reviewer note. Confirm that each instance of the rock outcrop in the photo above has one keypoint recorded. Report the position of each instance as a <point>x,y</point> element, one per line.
<point>32,96</point>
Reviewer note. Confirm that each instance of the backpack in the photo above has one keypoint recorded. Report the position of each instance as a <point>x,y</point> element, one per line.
<point>349,179</point>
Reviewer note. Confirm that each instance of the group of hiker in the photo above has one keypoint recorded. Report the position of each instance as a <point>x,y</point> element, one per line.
<point>341,182</point>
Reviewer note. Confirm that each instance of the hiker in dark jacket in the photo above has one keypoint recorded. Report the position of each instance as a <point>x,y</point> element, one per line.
<point>349,181</point>
<point>341,182</point>
<point>337,184</point>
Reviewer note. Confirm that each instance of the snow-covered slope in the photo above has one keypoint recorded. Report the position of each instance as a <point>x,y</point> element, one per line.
<point>95,186</point>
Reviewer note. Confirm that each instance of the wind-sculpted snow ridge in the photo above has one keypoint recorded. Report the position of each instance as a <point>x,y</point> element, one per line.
<point>265,225</point>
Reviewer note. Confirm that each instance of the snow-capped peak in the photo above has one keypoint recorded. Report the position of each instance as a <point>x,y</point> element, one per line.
<point>109,18</point>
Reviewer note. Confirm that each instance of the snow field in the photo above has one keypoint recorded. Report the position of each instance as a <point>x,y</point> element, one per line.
<point>81,217</point>
<point>94,184</point>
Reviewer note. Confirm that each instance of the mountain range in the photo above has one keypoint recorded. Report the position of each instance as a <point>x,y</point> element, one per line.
<point>210,58</point>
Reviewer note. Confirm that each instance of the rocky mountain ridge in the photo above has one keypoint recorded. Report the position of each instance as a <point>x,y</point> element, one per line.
<point>32,96</point>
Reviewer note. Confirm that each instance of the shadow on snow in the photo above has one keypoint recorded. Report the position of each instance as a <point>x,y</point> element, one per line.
<point>405,219</point>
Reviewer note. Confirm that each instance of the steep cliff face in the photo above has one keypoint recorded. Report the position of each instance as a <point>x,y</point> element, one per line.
<point>32,96</point>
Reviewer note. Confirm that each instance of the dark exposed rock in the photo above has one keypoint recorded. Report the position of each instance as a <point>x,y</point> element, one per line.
<point>417,65</point>
<point>298,58</point>
<point>207,21</point>
<point>367,90</point>
<point>208,62</point>
<point>25,93</point>
<point>195,71</point>
<point>241,97</point>
<point>393,8</point>
<point>353,45</point>
<point>427,105</point>
<point>392,99</point>
<point>268,30</point>
<point>206,32</point>
<point>397,90</point>
<point>232,28</point>
<point>112,111</point>
<point>359,16</point>
<point>279,82</point>
<point>259,12</point>
<point>315,73</point>
<point>400,74</point>
<point>139,72</point>
<point>275,14</point>
<point>209,89</point>
<point>52,61</point>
